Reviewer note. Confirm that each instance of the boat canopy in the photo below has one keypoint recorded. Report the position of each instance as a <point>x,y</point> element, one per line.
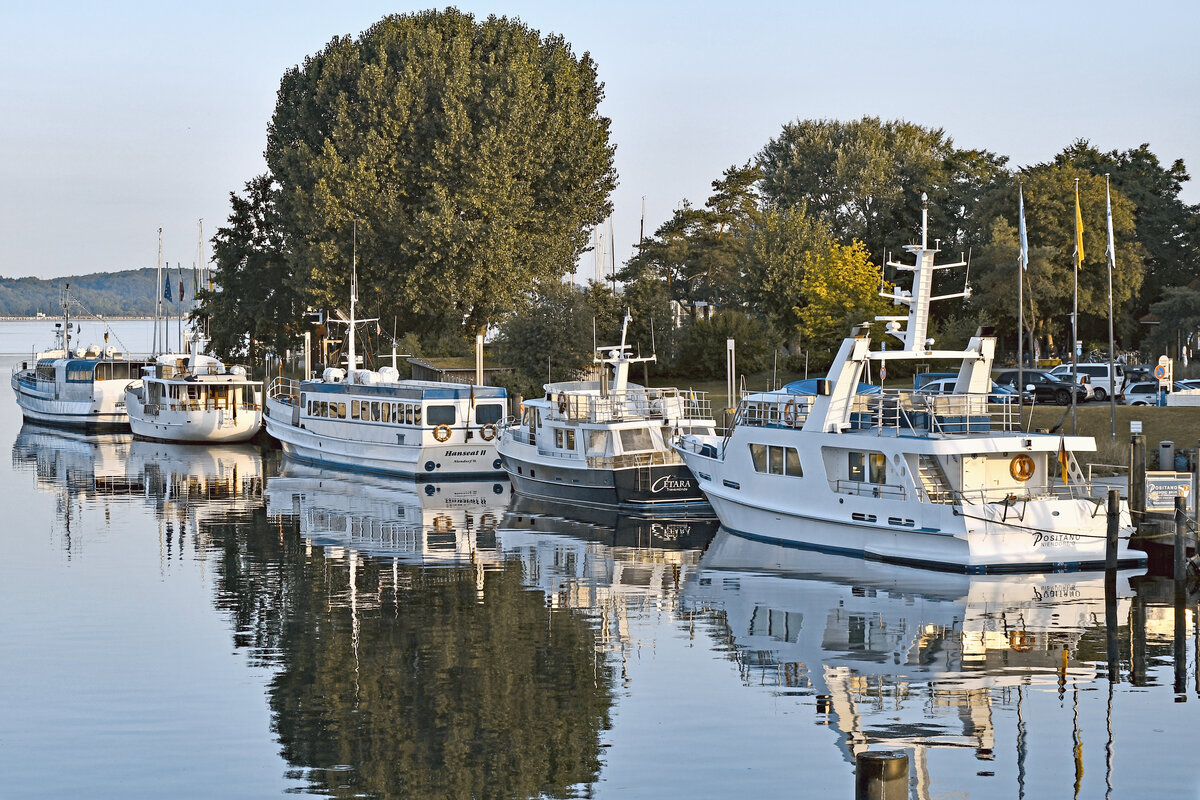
<point>808,388</point>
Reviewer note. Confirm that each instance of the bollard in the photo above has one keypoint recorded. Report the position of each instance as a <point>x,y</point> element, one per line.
<point>881,775</point>
<point>1166,456</point>
<point>1137,478</point>
<point>1180,539</point>
<point>1114,525</point>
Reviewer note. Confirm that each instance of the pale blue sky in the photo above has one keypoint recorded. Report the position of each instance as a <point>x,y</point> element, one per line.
<point>117,118</point>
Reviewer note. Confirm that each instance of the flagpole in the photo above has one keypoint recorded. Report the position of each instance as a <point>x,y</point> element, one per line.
<point>1075,312</point>
<point>1022,265</point>
<point>1112,370</point>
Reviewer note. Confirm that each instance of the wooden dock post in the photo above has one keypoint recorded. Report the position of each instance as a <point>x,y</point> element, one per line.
<point>881,775</point>
<point>1137,478</point>
<point>1114,525</point>
<point>1181,522</point>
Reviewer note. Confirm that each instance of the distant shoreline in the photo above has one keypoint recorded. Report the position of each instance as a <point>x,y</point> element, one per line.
<point>79,319</point>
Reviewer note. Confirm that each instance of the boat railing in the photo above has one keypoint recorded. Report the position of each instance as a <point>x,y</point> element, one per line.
<point>632,404</point>
<point>760,409</point>
<point>882,490</point>
<point>284,390</point>
<point>908,411</point>
<point>1014,497</point>
<point>627,460</point>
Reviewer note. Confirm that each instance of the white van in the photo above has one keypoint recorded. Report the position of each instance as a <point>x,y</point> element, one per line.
<point>1098,375</point>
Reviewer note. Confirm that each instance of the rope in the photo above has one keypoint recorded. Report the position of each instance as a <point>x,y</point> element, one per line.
<point>72,299</point>
<point>1036,530</point>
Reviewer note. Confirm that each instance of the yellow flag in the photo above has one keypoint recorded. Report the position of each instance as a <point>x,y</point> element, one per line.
<point>1078,226</point>
<point>1063,460</point>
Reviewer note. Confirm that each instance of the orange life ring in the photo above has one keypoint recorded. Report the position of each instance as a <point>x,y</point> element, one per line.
<point>488,432</point>
<point>789,412</point>
<point>1021,467</point>
<point>441,432</point>
<point>1020,641</point>
<point>562,402</point>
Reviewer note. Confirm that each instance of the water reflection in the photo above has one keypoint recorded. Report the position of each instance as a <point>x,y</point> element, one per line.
<point>450,640</point>
<point>901,658</point>
<point>400,680</point>
<point>449,522</point>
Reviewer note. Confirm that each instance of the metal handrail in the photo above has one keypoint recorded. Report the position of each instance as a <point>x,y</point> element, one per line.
<point>631,404</point>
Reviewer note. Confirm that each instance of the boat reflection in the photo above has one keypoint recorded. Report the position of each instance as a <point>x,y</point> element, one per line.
<point>612,527</point>
<point>87,464</point>
<point>115,465</point>
<point>450,522</point>
<point>901,658</point>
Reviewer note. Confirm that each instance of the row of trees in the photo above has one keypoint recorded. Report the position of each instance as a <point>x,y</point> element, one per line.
<point>463,163</point>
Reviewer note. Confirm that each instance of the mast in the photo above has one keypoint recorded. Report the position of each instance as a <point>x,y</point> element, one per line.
<point>352,363</point>
<point>158,294</point>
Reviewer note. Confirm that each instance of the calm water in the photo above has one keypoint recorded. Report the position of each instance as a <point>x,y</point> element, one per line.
<point>215,622</point>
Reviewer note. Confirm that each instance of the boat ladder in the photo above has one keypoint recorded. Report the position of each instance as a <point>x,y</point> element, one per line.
<point>933,480</point>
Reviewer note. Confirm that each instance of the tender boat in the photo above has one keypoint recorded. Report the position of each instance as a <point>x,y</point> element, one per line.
<point>607,443</point>
<point>947,481</point>
<point>372,421</point>
<point>192,397</point>
<point>81,388</point>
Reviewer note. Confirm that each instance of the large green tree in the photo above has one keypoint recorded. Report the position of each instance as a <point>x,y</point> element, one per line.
<point>470,155</point>
<point>866,178</point>
<point>1167,228</point>
<point>254,302</point>
<point>1049,191</point>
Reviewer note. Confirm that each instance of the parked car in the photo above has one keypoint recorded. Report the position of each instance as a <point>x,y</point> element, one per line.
<point>1145,393</point>
<point>1188,383</point>
<point>997,394</point>
<point>1101,379</point>
<point>1046,388</point>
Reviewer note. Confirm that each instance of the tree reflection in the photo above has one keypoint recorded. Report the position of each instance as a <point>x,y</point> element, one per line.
<point>401,680</point>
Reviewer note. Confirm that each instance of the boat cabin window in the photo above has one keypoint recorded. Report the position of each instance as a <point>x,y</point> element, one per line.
<point>45,371</point>
<point>354,409</point>
<point>599,443</point>
<point>488,414</point>
<point>527,418</point>
<point>868,467</point>
<point>635,439</point>
<point>338,410</point>
<point>564,439</point>
<point>440,415</point>
<point>117,370</point>
<point>776,460</point>
<point>80,372</point>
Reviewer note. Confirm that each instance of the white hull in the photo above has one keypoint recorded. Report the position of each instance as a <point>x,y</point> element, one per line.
<point>965,545</point>
<point>362,446</point>
<point>215,425</point>
<point>103,408</point>
<point>194,398</point>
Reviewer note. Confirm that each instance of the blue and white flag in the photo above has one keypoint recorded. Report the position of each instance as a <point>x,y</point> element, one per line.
<point>1023,255</point>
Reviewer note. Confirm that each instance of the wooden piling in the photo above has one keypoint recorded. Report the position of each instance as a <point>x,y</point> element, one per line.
<point>1137,478</point>
<point>881,775</point>
<point>1114,526</point>
<point>1181,521</point>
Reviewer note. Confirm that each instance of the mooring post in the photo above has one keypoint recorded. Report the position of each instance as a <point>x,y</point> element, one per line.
<point>1114,524</point>
<point>1137,478</point>
<point>881,775</point>
<point>1137,636</point>
<point>1181,659</point>
<point>1180,539</point>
